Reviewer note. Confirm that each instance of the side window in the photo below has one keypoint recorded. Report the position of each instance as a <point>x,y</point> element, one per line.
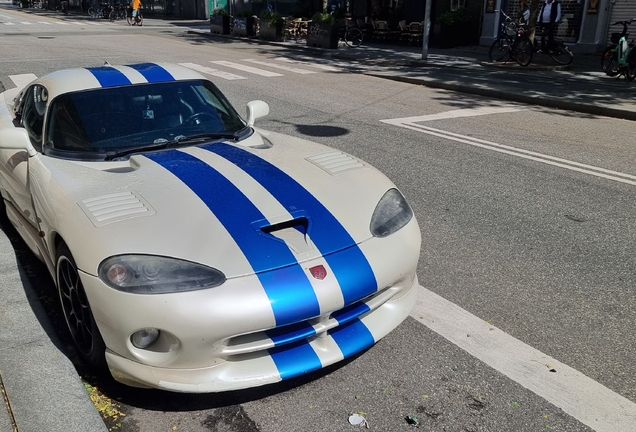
<point>33,113</point>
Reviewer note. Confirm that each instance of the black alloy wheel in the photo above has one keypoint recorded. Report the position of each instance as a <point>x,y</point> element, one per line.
<point>77,311</point>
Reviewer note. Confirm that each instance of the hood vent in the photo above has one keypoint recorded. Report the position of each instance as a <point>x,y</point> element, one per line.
<point>114,207</point>
<point>335,162</point>
<point>293,233</point>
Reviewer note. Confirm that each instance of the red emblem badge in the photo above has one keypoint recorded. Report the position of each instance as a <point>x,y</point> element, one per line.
<point>318,272</point>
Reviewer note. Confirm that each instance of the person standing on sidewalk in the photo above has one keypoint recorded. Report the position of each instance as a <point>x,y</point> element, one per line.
<point>549,17</point>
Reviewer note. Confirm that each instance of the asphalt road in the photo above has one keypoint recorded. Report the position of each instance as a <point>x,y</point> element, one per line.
<point>535,239</point>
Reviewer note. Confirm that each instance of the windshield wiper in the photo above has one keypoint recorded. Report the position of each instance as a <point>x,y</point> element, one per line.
<point>177,141</point>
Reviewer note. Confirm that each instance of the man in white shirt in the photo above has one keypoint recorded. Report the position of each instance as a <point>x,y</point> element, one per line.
<point>549,17</point>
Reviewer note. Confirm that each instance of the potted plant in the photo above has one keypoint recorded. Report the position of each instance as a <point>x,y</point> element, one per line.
<point>243,24</point>
<point>272,26</point>
<point>220,21</point>
<point>323,31</point>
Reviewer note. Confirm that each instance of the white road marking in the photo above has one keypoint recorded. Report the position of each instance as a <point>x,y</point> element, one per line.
<point>26,23</point>
<point>44,22</point>
<point>287,68</point>
<point>9,23</point>
<point>306,63</point>
<point>78,23</point>
<point>248,69</point>
<point>62,23</point>
<point>22,80</point>
<point>579,396</point>
<point>471,112</point>
<point>410,123</point>
<point>213,72</point>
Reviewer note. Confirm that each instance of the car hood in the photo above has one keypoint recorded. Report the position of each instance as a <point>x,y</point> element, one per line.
<point>230,206</point>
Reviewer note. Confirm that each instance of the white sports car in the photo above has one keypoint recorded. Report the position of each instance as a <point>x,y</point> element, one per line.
<point>191,251</point>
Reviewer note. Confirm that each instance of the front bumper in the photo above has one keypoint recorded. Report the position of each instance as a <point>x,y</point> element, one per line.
<point>273,365</point>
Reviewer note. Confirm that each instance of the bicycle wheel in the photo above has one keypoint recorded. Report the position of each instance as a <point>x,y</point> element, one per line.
<point>499,50</point>
<point>130,20</point>
<point>609,61</point>
<point>630,70</point>
<point>353,37</point>
<point>140,19</point>
<point>523,50</point>
<point>91,12</point>
<point>561,54</point>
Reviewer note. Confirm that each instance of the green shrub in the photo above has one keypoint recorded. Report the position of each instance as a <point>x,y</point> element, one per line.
<point>219,12</point>
<point>460,16</point>
<point>323,18</point>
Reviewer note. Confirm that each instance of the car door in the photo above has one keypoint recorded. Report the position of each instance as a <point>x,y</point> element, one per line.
<point>14,164</point>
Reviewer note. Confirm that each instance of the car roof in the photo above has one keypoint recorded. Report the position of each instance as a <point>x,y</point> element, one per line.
<point>78,79</point>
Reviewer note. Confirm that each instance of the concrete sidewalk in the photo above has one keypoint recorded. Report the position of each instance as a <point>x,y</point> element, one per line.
<point>39,383</point>
<point>41,388</point>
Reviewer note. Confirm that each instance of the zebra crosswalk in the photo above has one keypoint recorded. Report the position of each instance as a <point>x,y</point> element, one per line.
<point>8,21</point>
<point>233,70</point>
<point>264,70</point>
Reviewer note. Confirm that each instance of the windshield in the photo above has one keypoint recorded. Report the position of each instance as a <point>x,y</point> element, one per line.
<point>91,123</point>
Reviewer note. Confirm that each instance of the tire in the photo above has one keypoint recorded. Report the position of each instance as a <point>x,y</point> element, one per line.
<point>562,54</point>
<point>92,12</point>
<point>141,20</point>
<point>499,50</point>
<point>609,61</point>
<point>523,50</point>
<point>630,70</point>
<point>130,20</point>
<point>353,37</point>
<point>77,311</point>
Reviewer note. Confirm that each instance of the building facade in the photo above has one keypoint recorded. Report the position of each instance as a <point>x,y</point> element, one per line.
<point>585,23</point>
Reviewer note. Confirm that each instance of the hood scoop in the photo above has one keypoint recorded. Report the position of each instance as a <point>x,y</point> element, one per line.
<point>113,207</point>
<point>335,162</point>
<point>294,233</point>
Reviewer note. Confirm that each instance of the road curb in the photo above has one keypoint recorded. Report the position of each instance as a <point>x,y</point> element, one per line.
<point>514,97</point>
<point>43,388</point>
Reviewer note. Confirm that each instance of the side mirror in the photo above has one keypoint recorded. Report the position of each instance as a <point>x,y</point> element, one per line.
<point>16,139</point>
<point>256,109</point>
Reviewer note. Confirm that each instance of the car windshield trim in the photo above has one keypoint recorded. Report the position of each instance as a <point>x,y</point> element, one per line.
<point>180,140</point>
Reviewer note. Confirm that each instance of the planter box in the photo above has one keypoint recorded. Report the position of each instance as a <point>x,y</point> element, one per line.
<point>323,35</point>
<point>274,33</point>
<point>243,26</point>
<point>220,24</point>
<point>458,34</point>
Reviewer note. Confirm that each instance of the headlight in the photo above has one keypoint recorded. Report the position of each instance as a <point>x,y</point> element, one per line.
<point>391,214</point>
<point>148,274</point>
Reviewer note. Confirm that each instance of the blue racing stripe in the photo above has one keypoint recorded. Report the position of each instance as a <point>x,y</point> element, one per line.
<point>295,359</point>
<point>352,338</point>
<point>109,76</point>
<point>351,312</point>
<point>285,282</point>
<point>287,334</point>
<point>350,266</point>
<point>152,72</point>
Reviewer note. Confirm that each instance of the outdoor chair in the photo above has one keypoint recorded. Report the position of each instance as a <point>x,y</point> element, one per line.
<point>415,32</point>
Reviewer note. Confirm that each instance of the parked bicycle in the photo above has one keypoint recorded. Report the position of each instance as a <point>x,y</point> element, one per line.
<point>620,58</point>
<point>557,50</point>
<point>512,43</point>
<point>350,34</point>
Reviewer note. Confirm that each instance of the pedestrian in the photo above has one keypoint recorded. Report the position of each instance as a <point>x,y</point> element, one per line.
<point>524,13</point>
<point>549,18</point>
<point>136,5</point>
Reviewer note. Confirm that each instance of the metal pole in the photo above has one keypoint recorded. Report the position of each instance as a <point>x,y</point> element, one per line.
<point>426,29</point>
